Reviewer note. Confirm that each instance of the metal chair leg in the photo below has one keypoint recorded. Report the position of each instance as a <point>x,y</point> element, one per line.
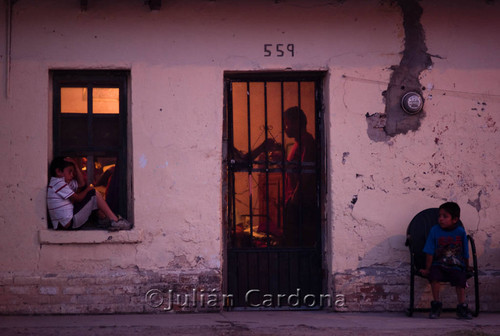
<point>476,275</point>
<point>412,288</point>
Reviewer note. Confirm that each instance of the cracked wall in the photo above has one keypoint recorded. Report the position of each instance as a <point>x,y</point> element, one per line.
<point>375,182</point>
<point>448,152</point>
<point>404,78</point>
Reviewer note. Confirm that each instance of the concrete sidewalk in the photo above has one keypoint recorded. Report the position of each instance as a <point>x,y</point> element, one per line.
<point>251,323</point>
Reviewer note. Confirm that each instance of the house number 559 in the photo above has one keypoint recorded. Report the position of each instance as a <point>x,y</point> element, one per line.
<point>279,50</point>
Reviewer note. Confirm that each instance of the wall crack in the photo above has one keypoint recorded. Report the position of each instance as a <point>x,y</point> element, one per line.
<point>405,76</point>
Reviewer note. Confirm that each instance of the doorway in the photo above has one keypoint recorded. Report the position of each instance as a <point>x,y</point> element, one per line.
<point>273,194</point>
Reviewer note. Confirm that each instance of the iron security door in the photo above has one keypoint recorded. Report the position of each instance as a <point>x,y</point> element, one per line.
<point>273,193</point>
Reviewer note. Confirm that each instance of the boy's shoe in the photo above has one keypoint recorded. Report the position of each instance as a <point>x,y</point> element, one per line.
<point>463,312</point>
<point>120,224</point>
<point>436,307</point>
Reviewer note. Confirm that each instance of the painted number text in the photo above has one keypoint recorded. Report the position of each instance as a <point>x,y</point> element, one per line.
<point>279,50</point>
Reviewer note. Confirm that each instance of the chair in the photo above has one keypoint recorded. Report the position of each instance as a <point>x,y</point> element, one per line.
<point>416,234</point>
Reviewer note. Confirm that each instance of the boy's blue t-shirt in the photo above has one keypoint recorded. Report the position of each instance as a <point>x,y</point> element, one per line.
<point>448,248</point>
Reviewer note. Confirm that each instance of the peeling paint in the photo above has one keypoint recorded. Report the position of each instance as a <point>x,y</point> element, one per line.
<point>376,126</point>
<point>354,199</point>
<point>345,155</point>
<point>405,77</point>
<point>143,161</point>
<point>373,184</point>
<point>476,203</point>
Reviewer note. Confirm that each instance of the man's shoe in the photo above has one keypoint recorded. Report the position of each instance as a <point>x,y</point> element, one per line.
<point>436,307</point>
<point>463,312</point>
<point>120,224</point>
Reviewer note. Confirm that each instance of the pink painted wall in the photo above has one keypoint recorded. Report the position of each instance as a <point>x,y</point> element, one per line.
<point>177,57</point>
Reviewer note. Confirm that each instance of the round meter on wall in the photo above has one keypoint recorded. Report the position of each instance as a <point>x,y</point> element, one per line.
<point>412,102</point>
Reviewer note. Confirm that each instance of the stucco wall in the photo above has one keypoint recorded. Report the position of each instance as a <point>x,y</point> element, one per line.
<point>453,156</point>
<point>176,57</point>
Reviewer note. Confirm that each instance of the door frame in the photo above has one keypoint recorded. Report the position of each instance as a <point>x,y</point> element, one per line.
<point>319,77</point>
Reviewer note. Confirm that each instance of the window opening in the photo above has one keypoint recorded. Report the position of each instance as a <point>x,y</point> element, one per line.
<point>90,125</point>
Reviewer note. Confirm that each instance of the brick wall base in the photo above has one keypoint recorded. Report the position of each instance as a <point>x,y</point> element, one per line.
<point>123,291</point>
<point>138,291</point>
<point>388,289</point>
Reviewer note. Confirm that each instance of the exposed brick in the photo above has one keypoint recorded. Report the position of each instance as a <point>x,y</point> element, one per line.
<point>100,290</point>
<point>128,289</point>
<point>10,299</point>
<point>128,308</point>
<point>81,281</point>
<point>51,282</point>
<point>73,290</point>
<point>169,278</point>
<point>188,279</point>
<point>150,276</point>
<point>85,299</point>
<point>56,299</point>
<point>21,289</point>
<point>27,280</point>
<point>73,309</point>
<point>45,290</point>
<point>209,279</point>
<point>101,299</point>
<point>124,291</point>
<point>6,279</point>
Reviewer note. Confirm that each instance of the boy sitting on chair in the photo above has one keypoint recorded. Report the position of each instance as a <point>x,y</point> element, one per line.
<point>447,259</point>
<point>70,202</point>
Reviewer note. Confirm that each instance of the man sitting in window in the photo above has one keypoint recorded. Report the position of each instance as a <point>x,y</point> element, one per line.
<point>70,202</point>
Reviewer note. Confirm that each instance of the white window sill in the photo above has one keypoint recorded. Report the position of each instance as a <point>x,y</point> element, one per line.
<point>52,237</point>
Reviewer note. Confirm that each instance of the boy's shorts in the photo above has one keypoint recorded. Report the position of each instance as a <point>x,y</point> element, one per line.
<point>82,210</point>
<point>455,277</point>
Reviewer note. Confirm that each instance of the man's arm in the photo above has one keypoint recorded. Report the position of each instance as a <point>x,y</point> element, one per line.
<point>265,146</point>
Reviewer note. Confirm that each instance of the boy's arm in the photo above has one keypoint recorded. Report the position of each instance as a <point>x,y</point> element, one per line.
<point>429,249</point>
<point>466,253</point>
<point>78,173</point>
<point>428,263</point>
<point>78,197</point>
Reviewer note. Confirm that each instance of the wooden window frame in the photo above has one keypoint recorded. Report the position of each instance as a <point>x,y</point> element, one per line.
<point>96,79</point>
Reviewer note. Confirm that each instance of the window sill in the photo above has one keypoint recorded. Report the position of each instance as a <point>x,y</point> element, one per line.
<point>52,237</point>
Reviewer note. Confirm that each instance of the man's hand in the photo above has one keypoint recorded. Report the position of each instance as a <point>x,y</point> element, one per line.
<point>271,145</point>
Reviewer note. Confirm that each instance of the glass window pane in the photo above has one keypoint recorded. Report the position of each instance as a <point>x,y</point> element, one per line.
<point>73,132</point>
<point>270,205</point>
<point>274,111</point>
<point>308,105</point>
<point>106,100</point>
<point>240,113</point>
<point>106,130</point>
<point>257,115</point>
<point>104,180</point>
<point>73,100</point>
